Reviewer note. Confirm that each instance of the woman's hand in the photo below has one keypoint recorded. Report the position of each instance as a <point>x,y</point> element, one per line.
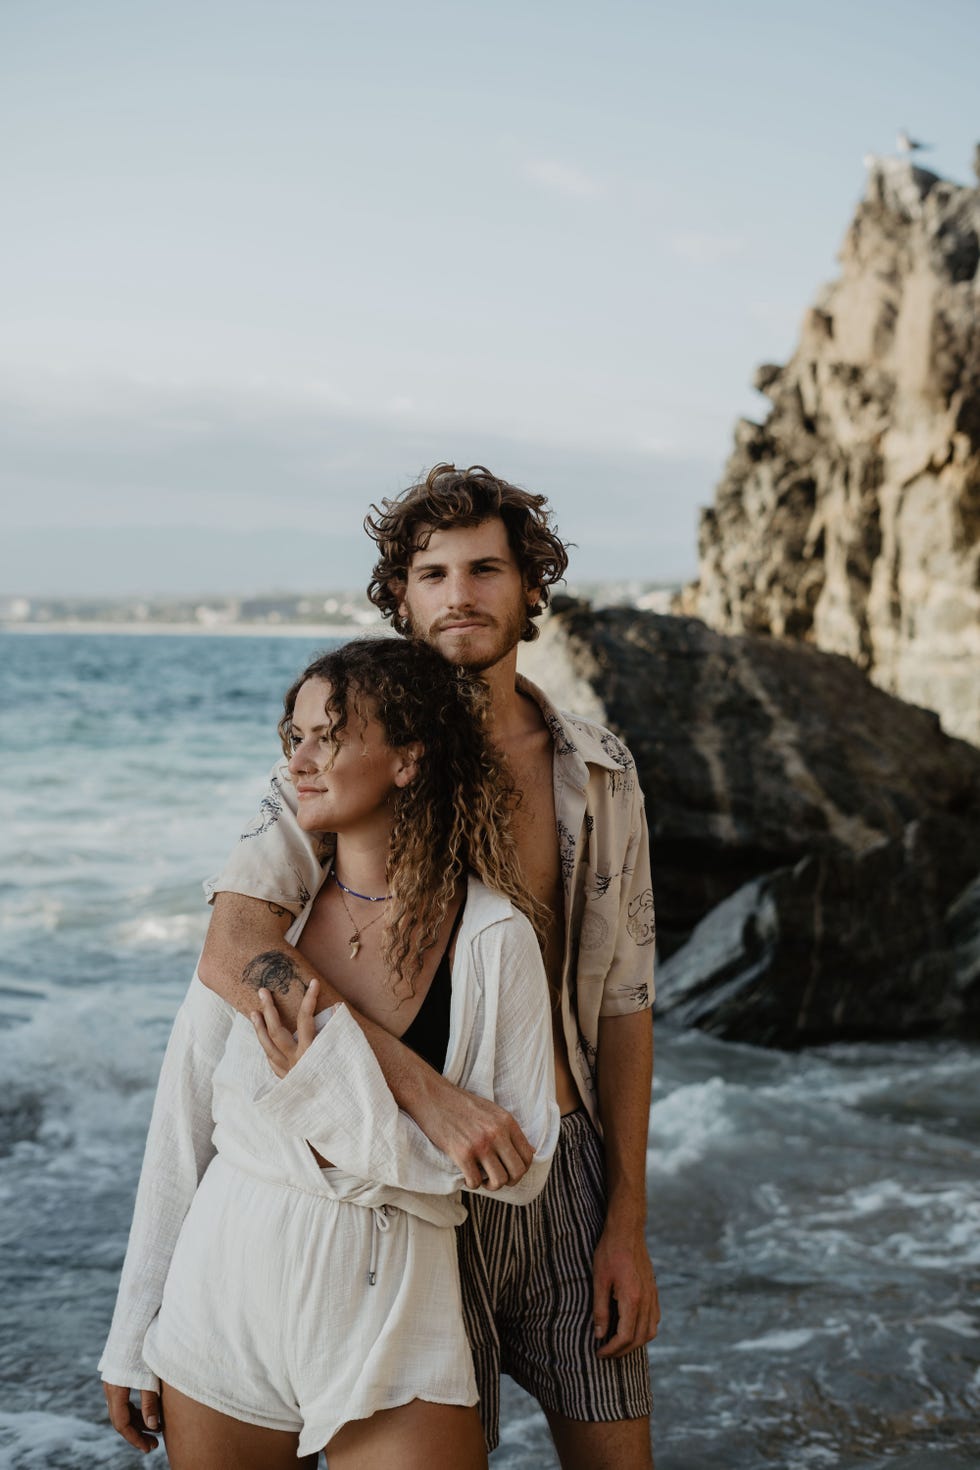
<point>130,1422</point>
<point>279,1044</point>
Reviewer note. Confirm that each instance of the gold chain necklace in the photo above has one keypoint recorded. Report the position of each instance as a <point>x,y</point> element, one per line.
<point>355,940</point>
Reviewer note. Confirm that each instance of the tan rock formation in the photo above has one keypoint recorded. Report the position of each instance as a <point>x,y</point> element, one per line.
<point>851,517</point>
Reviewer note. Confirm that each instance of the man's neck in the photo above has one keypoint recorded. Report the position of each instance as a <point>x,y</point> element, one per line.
<point>511,713</point>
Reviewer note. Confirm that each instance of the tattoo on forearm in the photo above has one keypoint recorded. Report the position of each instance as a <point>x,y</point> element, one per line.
<point>274,971</point>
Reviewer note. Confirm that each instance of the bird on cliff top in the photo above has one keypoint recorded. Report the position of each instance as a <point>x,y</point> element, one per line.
<point>907,144</point>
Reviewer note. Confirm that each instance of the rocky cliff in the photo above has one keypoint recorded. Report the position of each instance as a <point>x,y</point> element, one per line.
<point>850,518</point>
<point>813,839</point>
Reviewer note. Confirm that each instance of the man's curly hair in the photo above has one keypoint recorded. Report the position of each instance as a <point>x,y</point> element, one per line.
<point>454,816</point>
<point>449,497</point>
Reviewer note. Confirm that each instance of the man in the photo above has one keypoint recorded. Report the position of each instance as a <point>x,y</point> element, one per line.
<point>561,1294</point>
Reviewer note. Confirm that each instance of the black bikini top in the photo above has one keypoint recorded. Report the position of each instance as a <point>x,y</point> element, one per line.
<point>428,1035</point>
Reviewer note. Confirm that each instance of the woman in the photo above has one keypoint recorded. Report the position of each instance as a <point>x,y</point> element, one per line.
<point>291,1281</point>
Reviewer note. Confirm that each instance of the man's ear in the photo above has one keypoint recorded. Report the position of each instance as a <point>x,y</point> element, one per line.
<point>408,768</point>
<point>397,587</point>
<point>532,596</point>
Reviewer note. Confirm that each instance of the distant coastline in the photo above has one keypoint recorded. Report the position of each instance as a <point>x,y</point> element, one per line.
<point>213,630</point>
<point>274,615</point>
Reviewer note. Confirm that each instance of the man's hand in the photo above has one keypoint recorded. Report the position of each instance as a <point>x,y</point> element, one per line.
<point>483,1140</point>
<point>624,1293</point>
<point>282,1048</point>
<point>130,1422</point>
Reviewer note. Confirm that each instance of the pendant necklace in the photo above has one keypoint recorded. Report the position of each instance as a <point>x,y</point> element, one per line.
<point>355,940</point>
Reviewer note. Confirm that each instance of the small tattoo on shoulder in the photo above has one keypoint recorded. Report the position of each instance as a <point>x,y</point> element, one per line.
<point>273,971</point>
<point>278,910</point>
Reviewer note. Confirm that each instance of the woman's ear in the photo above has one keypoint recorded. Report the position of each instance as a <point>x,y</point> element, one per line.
<point>408,768</point>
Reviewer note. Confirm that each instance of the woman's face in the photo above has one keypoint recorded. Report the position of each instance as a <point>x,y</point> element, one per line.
<point>342,786</point>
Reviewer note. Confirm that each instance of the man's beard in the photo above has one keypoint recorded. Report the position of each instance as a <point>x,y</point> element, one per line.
<point>496,640</point>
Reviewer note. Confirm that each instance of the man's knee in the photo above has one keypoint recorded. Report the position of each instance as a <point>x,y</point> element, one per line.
<point>623,1444</point>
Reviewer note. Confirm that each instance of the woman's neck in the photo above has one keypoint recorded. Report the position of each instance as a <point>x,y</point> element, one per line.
<point>362,866</point>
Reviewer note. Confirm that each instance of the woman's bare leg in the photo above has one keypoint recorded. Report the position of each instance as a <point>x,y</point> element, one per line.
<point>199,1438</point>
<point>415,1436</point>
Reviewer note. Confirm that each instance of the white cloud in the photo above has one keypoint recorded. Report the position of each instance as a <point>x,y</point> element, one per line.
<point>562,178</point>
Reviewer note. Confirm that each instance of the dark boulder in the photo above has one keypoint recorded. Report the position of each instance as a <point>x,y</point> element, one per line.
<point>838,822</point>
<point>836,948</point>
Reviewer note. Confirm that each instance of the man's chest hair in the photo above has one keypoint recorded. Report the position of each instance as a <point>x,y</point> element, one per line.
<point>535,820</point>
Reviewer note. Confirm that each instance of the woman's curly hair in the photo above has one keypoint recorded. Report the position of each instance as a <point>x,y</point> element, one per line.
<point>449,497</point>
<point>454,815</point>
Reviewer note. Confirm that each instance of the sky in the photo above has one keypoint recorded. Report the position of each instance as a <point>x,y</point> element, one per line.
<point>264,263</point>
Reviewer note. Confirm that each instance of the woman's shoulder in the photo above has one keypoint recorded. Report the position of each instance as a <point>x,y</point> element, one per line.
<point>489,911</point>
<point>484,904</point>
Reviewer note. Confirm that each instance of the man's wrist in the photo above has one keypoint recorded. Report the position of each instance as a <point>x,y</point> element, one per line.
<point>626,1215</point>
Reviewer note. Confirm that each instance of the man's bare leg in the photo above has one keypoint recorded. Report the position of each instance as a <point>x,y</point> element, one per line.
<point>621,1445</point>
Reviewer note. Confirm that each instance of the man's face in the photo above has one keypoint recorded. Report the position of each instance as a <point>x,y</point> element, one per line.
<point>465,595</point>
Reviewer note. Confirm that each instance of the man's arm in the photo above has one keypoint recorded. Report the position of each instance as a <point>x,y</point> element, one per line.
<point>245,950</point>
<point>332,1092</point>
<point>622,1268</point>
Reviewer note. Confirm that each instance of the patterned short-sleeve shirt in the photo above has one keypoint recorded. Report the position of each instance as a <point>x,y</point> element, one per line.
<point>604,850</point>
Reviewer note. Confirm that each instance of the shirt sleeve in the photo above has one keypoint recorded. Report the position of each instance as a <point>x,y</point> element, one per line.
<point>337,1099</point>
<point>274,859</point>
<point>178,1151</point>
<point>629,983</point>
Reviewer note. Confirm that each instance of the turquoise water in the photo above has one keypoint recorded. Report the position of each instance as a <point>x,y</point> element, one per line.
<point>815,1220</point>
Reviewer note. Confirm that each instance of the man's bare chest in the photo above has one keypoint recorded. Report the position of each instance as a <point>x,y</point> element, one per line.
<point>535,825</point>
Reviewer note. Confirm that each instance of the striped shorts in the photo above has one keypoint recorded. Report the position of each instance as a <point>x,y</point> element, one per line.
<point>526,1275</point>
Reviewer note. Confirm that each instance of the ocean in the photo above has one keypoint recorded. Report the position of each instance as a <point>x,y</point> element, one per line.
<point>814,1218</point>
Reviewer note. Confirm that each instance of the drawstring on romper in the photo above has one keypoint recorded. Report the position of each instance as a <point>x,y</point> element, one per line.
<point>382,1224</point>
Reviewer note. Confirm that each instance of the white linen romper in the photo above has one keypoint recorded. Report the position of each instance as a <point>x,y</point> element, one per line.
<point>301,1298</point>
